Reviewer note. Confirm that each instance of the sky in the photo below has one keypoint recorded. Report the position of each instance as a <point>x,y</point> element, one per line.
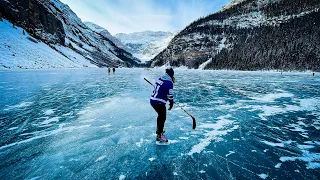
<point>128,16</point>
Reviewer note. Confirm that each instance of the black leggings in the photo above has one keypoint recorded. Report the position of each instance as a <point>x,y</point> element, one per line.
<point>162,115</point>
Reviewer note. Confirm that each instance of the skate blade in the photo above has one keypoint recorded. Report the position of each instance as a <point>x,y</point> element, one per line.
<point>162,143</point>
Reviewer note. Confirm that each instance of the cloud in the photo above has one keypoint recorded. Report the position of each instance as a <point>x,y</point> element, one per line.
<point>127,16</point>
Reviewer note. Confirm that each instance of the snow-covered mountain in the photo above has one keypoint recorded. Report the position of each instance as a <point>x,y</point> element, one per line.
<point>20,50</point>
<point>105,33</point>
<point>250,35</point>
<point>232,3</point>
<point>145,45</point>
<point>56,25</point>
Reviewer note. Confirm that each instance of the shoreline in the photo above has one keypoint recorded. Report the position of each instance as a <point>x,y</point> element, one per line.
<point>175,68</point>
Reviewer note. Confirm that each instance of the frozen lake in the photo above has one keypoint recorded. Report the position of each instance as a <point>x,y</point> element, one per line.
<point>88,124</point>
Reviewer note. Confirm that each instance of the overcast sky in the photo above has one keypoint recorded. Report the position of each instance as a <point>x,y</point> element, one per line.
<point>127,16</point>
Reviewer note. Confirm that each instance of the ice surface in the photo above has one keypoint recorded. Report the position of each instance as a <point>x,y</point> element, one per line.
<point>80,123</point>
<point>313,165</point>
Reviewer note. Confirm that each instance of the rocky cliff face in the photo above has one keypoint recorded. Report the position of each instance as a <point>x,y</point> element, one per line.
<point>105,33</point>
<point>58,26</point>
<point>250,35</point>
<point>35,18</point>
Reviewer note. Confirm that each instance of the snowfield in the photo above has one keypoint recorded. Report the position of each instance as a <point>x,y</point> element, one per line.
<point>20,50</point>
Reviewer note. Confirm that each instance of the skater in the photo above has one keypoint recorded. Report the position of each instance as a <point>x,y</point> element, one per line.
<point>109,70</point>
<point>162,92</point>
<point>113,70</point>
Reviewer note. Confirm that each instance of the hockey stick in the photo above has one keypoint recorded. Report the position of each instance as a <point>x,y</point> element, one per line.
<point>193,119</point>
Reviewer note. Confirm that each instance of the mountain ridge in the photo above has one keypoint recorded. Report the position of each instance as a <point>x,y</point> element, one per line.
<point>145,45</point>
<point>59,27</point>
<point>250,35</point>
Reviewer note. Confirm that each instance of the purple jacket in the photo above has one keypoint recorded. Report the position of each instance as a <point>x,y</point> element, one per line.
<point>163,90</point>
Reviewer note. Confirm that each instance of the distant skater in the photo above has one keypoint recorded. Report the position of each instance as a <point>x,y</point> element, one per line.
<point>162,92</point>
<point>113,70</point>
<point>313,74</point>
<point>109,70</point>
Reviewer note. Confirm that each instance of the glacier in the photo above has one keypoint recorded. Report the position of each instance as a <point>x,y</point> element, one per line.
<point>89,124</point>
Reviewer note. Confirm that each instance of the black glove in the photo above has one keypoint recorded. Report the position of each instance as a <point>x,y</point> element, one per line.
<point>171,105</point>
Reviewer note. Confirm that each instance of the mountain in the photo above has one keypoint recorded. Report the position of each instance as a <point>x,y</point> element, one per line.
<point>250,35</point>
<point>145,45</point>
<point>18,49</point>
<point>57,26</point>
<point>232,3</point>
<point>98,29</point>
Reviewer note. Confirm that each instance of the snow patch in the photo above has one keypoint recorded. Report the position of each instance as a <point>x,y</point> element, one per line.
<point>203,65</point>
<point>278,165</point>
<point>46,134</point>
<point>49,112</point>
<point>21,105</point>
<point>308,104</point>
<point>313,165</point>
<point>256,18</point>
<point>273,144</point>
<point>173,141</point>
<point>220,128</point>
<point>140,142</point>
<point>35,178</point>
<point>48,121</point>
<point>309,157</point>
<point>263,176</point>
<point>100,158</point>
<point>184,138</point>
<point>13,128</point>
<point>106,126</point>
<point>305,146</point>
<point>272,97</point>
<point>230,152</point>
<point>122,177</point>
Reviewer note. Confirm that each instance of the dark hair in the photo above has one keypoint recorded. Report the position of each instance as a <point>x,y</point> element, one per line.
<point>170,72</point>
